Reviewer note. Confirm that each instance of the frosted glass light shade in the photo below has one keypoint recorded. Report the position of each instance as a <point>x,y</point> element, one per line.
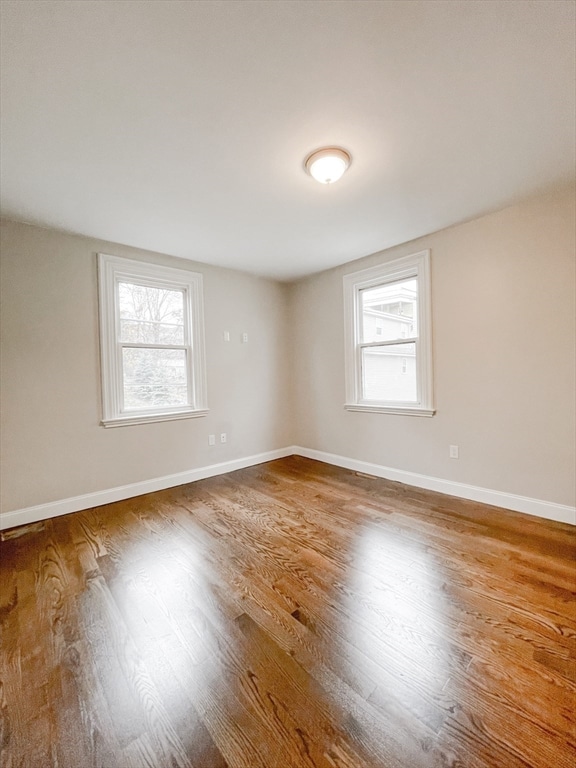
<point>327,165</point>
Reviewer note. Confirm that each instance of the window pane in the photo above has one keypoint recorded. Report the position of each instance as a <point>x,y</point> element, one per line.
<point>151,315</point>
<point>390,311</point>
<point>389,373</point>
<point>154,378</point>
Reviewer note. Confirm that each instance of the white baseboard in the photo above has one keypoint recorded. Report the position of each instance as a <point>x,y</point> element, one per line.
<point>96,499</point>
<point>546,509</point>
<point>561,513</point>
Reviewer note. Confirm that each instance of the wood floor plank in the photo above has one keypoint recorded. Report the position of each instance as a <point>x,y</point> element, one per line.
<point>289,615</point>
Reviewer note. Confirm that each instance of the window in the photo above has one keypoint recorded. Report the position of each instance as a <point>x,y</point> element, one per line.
<point>388,337</point>
<point>152,342</point>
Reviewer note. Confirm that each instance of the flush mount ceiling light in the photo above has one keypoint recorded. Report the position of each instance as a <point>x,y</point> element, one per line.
<point>328,164</point>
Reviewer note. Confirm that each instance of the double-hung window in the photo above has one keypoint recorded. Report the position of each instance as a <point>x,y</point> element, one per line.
<point>389,337</point>
<point>152,342</point>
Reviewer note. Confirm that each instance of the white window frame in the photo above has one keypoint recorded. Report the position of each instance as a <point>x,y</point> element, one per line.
<point>415,266</point>
<point>111,271</point>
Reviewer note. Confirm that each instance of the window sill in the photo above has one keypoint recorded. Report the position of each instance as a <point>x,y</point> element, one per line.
<point>128,421</point>
<point>397,411</point>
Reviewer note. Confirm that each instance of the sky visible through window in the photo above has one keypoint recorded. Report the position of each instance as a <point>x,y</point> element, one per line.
<point>389,313</point>
<point>153,376</point>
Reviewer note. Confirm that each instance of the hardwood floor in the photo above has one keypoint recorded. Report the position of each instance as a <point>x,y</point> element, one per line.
<point>289,615</point>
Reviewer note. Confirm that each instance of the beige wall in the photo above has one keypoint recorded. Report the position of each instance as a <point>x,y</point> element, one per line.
<point>503,295</point>
<point>52,445</point>
<point>504,366</point>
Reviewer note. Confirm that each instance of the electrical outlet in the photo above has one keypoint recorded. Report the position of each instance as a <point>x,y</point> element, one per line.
<point>211,439</point>
<point>453,451</point>
<point>244,338</point>
<point>223,437</point>
<point>226,335</point>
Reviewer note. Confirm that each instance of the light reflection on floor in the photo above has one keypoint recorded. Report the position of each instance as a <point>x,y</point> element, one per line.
<point>397,616</point>
<point>169,590</point>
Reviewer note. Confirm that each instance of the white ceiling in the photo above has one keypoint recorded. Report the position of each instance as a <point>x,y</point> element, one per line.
<point>182,127</point>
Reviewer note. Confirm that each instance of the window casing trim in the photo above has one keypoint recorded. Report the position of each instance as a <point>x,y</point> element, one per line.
<point>111,271</point>
<point>416,265</point>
